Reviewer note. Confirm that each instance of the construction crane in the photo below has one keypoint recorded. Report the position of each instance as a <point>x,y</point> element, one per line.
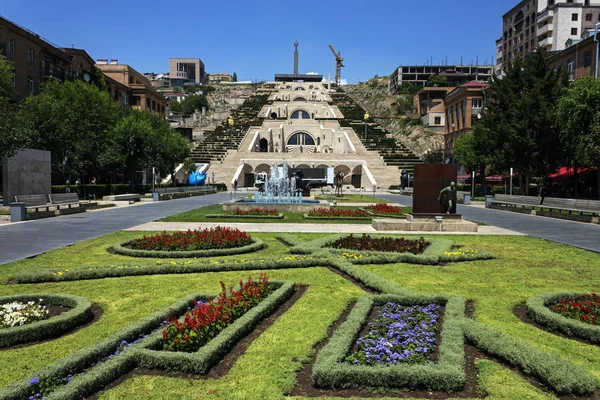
<point>339,63</point>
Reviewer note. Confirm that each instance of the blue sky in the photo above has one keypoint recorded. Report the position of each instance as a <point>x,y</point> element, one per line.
<point>255,38</point>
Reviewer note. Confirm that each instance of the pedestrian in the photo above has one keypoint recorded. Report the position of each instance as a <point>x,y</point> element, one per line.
<point>213,177</point>
<point>235,185</point>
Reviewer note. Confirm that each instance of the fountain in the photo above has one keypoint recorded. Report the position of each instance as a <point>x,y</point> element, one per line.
<point>279,191</point>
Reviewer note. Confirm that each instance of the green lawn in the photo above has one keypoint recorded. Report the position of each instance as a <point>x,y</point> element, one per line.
<point>524,266</point>
<point>199,215</point>
<point>4,212</point>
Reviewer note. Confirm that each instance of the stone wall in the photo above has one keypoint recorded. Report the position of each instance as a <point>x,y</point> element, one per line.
<point>27,172</point>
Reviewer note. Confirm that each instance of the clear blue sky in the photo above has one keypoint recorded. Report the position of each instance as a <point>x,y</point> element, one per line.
<point>255,37</point>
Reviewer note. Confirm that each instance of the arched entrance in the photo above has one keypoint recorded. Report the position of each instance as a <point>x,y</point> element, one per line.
<point>263,145</point>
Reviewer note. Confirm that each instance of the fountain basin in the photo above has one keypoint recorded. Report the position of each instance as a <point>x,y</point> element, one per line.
<point>306,205</point>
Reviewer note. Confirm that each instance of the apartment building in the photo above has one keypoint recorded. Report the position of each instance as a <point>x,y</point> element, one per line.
<point>547,23</point>
<point>222,77</point>
<point>141,93</point>
<point>429,106</point>
<point>184,71</point>
<point>35,59</point>
<point>463,106</point>
<point>418,75</point>
<point>579,56</point>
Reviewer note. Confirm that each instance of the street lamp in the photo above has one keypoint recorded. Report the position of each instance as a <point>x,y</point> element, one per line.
<point>366,117</point>
<point>231,122</point>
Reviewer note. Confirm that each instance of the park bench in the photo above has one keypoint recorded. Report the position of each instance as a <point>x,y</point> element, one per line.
<point>34,201</point>
<point>549,207</point>
<point>44,206</point>
<point>67,199</point>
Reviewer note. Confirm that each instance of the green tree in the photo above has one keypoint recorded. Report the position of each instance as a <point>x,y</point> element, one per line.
<point>11,139</point>
<point>234,78</point>
<point>437,80</point>
<point>175,106</point>
<point>518,127</point>
<point>192,103</point>
<point>72,120</point>
<point>578,111</point>
<point>472,149</point>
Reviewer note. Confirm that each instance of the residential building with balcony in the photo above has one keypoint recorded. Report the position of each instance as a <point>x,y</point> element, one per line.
<point>222,77</point>
<point>463,106</point>
<point>184,71</point>
<point>418,75</point>
<point>429,106</point>
<point>141,93</point>
<point>34,58</point>
<point>545,23</point>
<point>578,58</point>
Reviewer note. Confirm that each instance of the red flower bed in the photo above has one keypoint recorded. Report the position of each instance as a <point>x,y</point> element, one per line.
<point>385,209</point>
<point>337,213</point>
<point>206,239</point>
<point>584,308</point>
<point>366,242</point>
<point>256,211</point>
<point>206,320</point>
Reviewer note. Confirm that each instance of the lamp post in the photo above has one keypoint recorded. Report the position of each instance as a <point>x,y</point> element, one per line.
<point>366,117</point>
<point>597,49</point>
<point>231,122</point>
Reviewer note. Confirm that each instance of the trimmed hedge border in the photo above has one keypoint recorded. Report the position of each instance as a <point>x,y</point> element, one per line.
<point>537,309</point>
<point>207,356</point>
<point>80,313</point>
<point>179,195</point>
<point>97,378</point>
<point>561,375</point>
<point>431,255</point>
<point>481,255</point>
<point>306,216</point>
<point>278,216</point>
<point>121,249</point>
<point>331,371</point>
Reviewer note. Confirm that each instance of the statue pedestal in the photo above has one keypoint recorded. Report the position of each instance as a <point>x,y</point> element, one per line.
<point>424,222</point>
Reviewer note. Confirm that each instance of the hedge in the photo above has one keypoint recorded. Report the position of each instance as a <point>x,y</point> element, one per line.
<point>331,371</point>
<point>210,354</point>
<point>306,216</point>
<point>561,375</point>
<point>80,313</point>
<point>117,271</point>
<point>121,249</point>
<point>537,309</point>
<point>100,190</point>
<point>398,216</point>
<point>179,195</point>
<point>278,216</point>
<point>97,378</point>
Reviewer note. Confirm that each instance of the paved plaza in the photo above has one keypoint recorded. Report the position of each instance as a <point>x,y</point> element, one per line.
<point>27,239</point>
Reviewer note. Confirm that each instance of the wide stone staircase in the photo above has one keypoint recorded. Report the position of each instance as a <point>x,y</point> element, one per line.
<point>377,139</point>
<point>215,145</point>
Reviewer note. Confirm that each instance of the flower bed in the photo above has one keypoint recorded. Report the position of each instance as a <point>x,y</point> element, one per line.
<point>584,308</point>
<point>332,368</point>
<point>208,242</point>
<point>399,334</point>
<point>206,320</point>
<point>386,244</point>
<point>206,239</point>
<point>43,328</point>
<point>18,313</point>
<point>255,211</point>
<point>322,212</point>
<point>385,210</point>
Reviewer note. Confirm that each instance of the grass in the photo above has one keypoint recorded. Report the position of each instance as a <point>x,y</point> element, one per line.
<point>524,266</point>
<point>199,215</point>
<point>4,212</point>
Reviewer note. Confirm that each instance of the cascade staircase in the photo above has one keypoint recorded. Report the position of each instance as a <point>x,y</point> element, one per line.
<point>391,152</point>
<point>215,145</point>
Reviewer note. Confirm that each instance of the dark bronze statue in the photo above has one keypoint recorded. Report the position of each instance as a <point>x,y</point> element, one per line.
<point>447,199</point>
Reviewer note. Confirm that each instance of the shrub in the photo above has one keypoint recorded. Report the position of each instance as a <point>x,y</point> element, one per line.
<point>206,239</point>
<point>256,211</point>
<point>337,213</point>
<point>385,209</point>
<point>368,243</point>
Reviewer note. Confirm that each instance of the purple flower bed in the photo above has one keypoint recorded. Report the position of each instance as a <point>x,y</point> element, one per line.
<point>399,334</point>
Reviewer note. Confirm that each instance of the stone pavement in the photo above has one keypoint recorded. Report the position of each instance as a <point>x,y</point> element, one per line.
<point>302,228</point>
